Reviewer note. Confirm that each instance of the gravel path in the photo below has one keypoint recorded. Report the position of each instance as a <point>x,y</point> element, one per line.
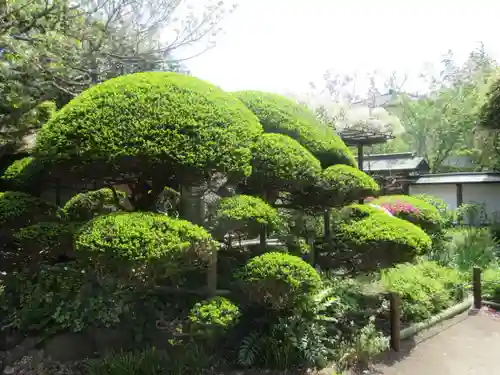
<point>468,344</point>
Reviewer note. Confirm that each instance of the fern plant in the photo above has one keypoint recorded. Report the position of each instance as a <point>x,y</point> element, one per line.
<point>303,339</point>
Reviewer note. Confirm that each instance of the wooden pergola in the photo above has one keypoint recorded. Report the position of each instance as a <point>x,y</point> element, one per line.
<point>363,137</point>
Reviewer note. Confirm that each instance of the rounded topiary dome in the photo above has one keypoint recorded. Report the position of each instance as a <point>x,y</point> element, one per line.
<point>153,118</point>
<point>278,114</point>
<point>143,244</point>
<point>280,162</point>
<point>23,175</point>
<point>278,281</point>
<point>374,239</point>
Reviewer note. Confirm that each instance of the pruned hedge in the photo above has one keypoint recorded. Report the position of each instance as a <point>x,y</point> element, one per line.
<point>144,120</point>
<point>18,209</point>
<point>87,205</point>
<point>281,163</point>
<point>369,239</point>
<point>23,175</point>
<point>244,215</point>
<point>145,245</point>
<point>278,281</point>
<point>278,114</point>
<point>414,210</point>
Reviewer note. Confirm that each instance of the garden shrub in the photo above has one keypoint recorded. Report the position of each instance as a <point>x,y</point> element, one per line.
<point>213,316</point>
<point>142,244</point>
<point>447,215</point>
<point>425,288</point>
<point>278,281</point>
<point>245,215</point>
<point>341,184</point>
<point>46,241</point>
<point>465,248</point>
<point>58,298</point>
<point>18,209</point>
<point>152,120</point>
<point>490,284</point>
<point>23,175</point>
<point>414,210</point>
<point>368,239</point>
<point>281,163</point>
<point>278,114</point>
<point>85,206</point>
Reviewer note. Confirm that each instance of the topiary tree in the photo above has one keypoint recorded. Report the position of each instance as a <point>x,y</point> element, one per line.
<point>278,114</point>
<point>244,215</point>
<point>142,245</point>
<point>278,281</point>
<point>85,206</point>
<point>24,175</point>
<point>213,317</point>
<point>281,164</point>
<point>369,239</point>
<point>150,130</point>
<point>19,209</point>
<point>414,210</point>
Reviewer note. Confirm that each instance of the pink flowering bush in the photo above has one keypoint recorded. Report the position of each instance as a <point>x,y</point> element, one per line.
<point>414,210</point>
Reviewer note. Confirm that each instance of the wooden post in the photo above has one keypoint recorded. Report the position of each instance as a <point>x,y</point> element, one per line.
<point>476,287</point>
<point>395,312</point>
<point>212,274</point>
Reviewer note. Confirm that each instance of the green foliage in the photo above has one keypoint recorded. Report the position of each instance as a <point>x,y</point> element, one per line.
<point>490,284</point>
<point>466,248</point>
<point>154,119</point>
<point>23,175</point>
<point>426,288</point>
<point>47,240</point>
<point>281,163</point>
<point>142,244</point>
<point>244,214</point>
<point>342,184</point>
<point>278,114</point>
<point>278,281</point>
<point>60,298</point>
<point>369,239</point>
<point>444,210</point>
<point>414,210</point>
<point>146,362</point>
<point>214,315</point>
<point>19,209</point>
<point>85,206</point>
<point>490,111</point>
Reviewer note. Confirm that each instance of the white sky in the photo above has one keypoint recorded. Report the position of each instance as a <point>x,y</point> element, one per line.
<point>282,45</point>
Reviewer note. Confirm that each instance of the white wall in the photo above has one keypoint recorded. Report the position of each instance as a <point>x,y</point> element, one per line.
<point>486,194</point>
<point>446,192</point>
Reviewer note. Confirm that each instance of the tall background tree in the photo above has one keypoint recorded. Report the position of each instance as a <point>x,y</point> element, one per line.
<point>53,50</point>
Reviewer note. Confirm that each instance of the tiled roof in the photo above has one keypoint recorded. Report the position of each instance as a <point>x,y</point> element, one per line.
<point>394,162</point>
<point>458,178</point>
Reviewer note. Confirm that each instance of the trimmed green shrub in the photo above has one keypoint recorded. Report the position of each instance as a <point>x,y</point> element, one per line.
<point>85,206</point>
<point>281,163</point>
<point>278,281</point>
<point>214,315</point>
<point>142,244</point>
<point>369,239</point>
<point>278,114</point>
<point>23,175</point>
<point>414,210</point>
<point>153,120</point>
<point>19,209</point>
<point>244,214</point>
<point>339,185</point>
<point>426,288</point>
<point>47,241</point>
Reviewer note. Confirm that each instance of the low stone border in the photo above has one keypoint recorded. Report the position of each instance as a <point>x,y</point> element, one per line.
<point>436,319</point>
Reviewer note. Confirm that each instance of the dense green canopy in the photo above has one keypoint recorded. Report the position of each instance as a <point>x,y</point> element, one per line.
<point>148,119</point>
<point>490,112</point>
<point>281,163</point>
<point>278,114</point>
